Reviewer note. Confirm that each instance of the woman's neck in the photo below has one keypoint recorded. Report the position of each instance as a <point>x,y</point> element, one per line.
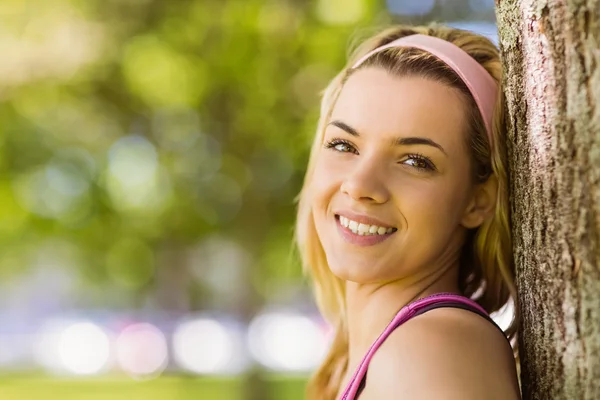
<point>371,307</point>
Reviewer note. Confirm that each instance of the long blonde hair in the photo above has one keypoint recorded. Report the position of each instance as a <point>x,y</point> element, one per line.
<point>486,269</point>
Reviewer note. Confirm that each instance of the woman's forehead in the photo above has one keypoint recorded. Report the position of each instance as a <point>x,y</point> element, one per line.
<point>377,104</point>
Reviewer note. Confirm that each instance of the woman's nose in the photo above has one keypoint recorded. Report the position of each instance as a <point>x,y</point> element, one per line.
<point>366,182</point>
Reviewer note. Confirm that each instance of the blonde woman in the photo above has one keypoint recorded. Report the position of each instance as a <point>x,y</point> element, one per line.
<point>403,221</point>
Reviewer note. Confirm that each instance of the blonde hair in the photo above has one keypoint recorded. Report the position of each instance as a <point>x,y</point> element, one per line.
<point>486,272</point>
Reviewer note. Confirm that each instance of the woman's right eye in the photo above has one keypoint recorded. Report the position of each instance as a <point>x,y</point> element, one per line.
<point>341,145</point>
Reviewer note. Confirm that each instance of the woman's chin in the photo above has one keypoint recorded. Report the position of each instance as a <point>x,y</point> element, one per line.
<point>355,273</point>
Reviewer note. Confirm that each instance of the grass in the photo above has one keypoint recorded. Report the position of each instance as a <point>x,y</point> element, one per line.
<point>164,388</point>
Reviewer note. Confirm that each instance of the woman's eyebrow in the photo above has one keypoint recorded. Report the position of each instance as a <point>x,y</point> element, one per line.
<point>407,141</point>
<point>404,141</point>
<point>345,127</point>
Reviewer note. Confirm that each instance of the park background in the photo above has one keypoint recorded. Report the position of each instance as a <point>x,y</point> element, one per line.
<point>150,154</point>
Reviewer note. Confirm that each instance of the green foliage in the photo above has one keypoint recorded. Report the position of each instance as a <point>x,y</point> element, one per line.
<point>139,128</point>
<point>123,389</point>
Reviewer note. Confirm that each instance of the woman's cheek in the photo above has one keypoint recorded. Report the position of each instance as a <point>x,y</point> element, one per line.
<point>419,198</point>
<point>322,181</point>
<point>328,172</point>
<point>436,203</point>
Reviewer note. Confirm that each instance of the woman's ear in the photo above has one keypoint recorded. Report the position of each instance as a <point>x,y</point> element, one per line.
<point>482,203</point>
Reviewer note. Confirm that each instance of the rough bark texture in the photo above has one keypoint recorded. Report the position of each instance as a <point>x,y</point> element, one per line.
<point>551,53</point>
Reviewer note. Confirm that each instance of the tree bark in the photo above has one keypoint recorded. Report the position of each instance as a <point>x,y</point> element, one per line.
<point>551,55</point>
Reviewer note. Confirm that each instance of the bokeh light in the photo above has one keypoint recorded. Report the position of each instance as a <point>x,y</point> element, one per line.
<point>67,346</point>
<point>338,12</point>
<point>487,29</point>
<point>286,341</point>
<point>482,5</point>
<point>206,346</point>
<point>53,42</point>
<point>135,180</point>
<point>142,351</point>
<point>54,191</point>
<point>84,348</point>
<point>410,7</point>
<point>160,75</point>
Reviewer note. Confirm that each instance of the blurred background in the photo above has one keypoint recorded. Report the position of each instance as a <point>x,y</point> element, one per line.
<point>150,153</point>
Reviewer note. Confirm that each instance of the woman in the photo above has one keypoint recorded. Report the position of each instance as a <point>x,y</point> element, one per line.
<point>404,217</point>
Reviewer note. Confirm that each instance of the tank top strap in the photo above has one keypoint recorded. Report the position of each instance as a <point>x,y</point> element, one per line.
<point>407,312</point>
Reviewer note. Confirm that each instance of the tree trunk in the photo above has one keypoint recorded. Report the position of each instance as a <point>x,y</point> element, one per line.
<point>551,53</point>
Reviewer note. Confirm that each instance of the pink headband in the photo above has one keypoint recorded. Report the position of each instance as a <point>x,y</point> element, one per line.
<point>480,83</point>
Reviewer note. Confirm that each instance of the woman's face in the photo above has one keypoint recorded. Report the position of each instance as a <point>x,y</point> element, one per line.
<point>391,191</point>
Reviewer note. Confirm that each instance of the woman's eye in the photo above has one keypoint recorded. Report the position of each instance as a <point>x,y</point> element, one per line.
<point>420,162</point>
<point>342,146</point>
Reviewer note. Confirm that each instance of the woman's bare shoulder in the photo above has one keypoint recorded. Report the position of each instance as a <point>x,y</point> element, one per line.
<point>445,353</point>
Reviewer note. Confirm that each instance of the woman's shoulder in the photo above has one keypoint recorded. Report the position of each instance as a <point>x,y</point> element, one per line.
<point>447,353</point>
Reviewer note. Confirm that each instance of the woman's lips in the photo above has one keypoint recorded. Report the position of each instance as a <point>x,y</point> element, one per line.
<point>360,240</point>
<point>363,219</point>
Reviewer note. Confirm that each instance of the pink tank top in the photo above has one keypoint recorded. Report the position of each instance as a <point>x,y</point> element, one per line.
<point>407,312</point>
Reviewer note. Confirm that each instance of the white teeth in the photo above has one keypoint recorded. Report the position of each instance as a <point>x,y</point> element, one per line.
<point>364,229</point>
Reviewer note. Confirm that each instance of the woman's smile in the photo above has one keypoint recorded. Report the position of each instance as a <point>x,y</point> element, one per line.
<point>362,230</point>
